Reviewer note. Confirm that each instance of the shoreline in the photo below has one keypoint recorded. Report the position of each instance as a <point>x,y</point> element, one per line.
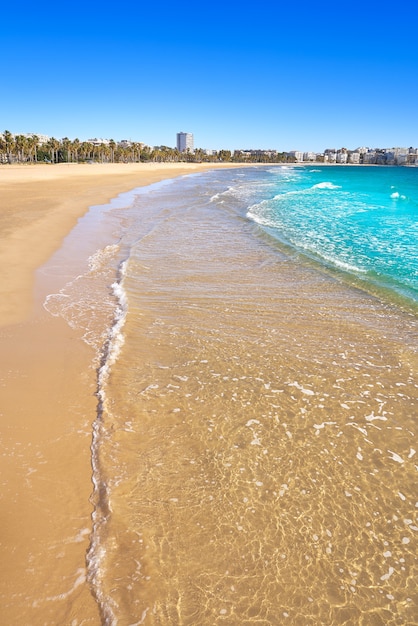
<point>48,382</point>
<point>48,393</point>
<point>218,323</point>
<point>42,203</point>
<point>48,377</point>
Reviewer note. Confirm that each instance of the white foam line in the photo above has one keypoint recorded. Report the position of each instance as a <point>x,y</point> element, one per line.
<point>96,552</point>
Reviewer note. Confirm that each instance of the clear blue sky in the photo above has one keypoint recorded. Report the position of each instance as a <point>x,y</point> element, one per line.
<point>289,75</point>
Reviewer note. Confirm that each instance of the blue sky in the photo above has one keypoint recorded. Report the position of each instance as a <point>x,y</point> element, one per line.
<point>297,75</point>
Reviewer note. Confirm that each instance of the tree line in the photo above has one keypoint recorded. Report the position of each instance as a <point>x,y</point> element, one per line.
<point>29,149</point>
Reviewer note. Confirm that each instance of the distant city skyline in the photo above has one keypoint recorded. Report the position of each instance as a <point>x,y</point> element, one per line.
<point>40,148</point>
<point>185,141</point>
<point>292,76</point>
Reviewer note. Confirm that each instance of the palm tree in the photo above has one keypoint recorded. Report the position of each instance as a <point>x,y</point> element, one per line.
<point>21,144</point>
<point>53,145</point>
<point>9,144</point>
<point>104,152</point>
<point>75,147</point>
<point>2,148</point>
<point>86,150</point>
<point>146,153</point>
<point>199,154</point>
<point>112,146</point>
<point>66,144</point>
<point>224,155</point>
<point>33,142</point>
<point>136,151</point>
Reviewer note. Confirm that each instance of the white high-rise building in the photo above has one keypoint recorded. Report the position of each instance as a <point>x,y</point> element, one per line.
<point>185,142</point>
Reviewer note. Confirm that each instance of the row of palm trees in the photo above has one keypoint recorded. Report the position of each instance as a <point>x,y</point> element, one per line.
<point>18,147</point>
<point>29,149</point>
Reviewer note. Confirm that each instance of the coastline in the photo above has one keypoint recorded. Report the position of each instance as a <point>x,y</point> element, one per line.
<point>41,204</point>
<point>251,397</point>
<point>48,387</point>
<point>49,391</point>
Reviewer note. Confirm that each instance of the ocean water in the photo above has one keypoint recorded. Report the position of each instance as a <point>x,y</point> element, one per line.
<point>361,221</point>
<point>254,451</point>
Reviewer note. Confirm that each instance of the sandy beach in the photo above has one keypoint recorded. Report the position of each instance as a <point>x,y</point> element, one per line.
<point>48,400</point>
<point>197,426</point>
<point>39,206</point>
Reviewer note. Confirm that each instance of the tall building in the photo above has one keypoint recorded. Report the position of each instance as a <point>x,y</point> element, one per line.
<point>185,142</point>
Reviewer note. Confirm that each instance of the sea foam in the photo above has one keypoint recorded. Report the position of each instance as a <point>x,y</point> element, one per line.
<point>326,185</point>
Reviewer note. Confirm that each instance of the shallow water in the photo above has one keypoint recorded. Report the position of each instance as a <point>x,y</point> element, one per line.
<point>255,450</point>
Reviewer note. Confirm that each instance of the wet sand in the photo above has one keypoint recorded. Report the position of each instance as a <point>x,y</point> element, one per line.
<point>47,394</point>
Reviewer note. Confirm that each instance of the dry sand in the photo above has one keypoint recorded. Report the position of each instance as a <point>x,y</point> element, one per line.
<point>47,395</point>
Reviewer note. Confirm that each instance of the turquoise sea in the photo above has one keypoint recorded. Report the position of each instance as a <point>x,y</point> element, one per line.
<point>357,219</point>
<point>254,448</point>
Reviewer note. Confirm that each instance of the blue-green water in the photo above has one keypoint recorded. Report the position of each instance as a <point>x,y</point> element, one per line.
<point>254,452</point>
<point>361,220</point>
